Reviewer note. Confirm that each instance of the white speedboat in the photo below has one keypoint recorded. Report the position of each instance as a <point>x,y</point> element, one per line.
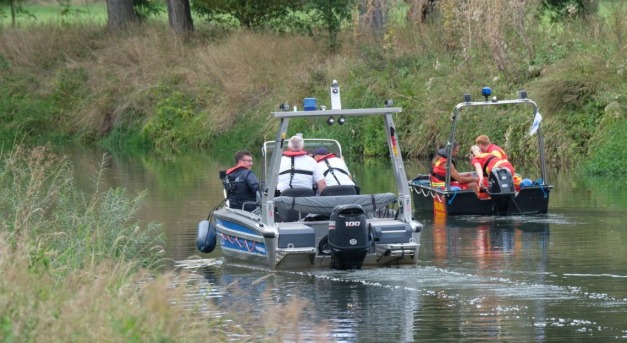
<point>338,228</point>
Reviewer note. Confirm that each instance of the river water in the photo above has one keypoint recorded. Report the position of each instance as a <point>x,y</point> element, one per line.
<point>560,277</point>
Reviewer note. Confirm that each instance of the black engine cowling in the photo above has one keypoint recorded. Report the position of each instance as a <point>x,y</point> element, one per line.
<point>501,181</point>
<point>348,237</point>
<point>501,189</point>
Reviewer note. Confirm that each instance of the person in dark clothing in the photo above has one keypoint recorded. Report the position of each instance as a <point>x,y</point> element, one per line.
<point>241,183</point>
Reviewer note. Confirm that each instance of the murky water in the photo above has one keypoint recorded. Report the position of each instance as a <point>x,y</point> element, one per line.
<point>559,277</point>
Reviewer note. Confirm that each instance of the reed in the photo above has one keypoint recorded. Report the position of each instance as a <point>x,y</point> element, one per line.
<point>80,267</point>
<point>65,228</point>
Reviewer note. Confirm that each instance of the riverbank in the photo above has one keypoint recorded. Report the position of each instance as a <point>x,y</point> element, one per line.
<point>81,266</point>
<point>147,89</point>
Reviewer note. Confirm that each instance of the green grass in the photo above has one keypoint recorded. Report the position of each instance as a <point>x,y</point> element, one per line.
<point>608,155</point>
<point>148,89</point>
<point>87,13</point>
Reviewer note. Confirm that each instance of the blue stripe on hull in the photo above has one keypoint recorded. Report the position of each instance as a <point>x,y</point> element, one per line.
<point>237,227</point>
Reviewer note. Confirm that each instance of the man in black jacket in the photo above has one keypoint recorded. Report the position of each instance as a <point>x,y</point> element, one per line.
<point>241,183</point>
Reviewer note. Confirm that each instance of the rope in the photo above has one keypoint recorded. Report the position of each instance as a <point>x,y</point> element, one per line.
<point>423,192</point>
<point>540,182</point>
<point>515,203</point>
<point>233,239</point>
<point>454,195</point>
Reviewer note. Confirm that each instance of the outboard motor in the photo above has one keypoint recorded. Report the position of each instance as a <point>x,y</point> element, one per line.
<point>348,237</point>
<point>501,188</point>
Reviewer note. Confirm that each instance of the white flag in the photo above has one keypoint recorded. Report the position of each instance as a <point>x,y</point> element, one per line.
<point>536,124</point>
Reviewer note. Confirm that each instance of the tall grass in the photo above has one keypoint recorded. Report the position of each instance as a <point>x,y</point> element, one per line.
<point>78,267</point>
<point>68,230</point>
<point>71,263</point>
<point>148,88</point>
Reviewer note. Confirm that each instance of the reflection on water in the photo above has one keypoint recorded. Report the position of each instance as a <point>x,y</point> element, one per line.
<point>550,278</point>
<point>479,278</point>
<point>489,240</point>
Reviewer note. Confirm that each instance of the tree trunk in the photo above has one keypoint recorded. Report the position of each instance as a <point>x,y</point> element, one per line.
<point>13,13</point>
<point>373,19</point>
<point>180,16</point>
<point>120,14</point>
<point>590,8</point>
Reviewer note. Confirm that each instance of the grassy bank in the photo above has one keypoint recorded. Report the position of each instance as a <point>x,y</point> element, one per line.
<point>148,89</point>
<point>80,267</point>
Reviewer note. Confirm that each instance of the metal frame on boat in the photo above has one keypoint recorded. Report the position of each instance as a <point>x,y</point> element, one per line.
<point>345,230</point>
<point>451,201</point>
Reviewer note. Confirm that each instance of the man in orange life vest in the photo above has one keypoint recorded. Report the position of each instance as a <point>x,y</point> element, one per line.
<point>296,169</point>
<point>485,162</point>
<point>485,145</point>
<point>241,183</point>
<point>438,171</point>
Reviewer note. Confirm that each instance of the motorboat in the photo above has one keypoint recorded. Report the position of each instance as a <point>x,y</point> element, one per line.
<point>339,228</point>
<point>500,197</point>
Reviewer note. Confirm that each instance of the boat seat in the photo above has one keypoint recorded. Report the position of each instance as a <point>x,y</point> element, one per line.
<point>287,215</point>
<point>338,190</point>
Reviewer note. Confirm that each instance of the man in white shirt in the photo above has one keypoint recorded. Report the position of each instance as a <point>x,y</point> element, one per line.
<point>330,170</point>
<point>296,170</point>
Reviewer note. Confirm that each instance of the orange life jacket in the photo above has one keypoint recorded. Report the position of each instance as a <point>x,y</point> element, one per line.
<point>293,170</point>
<point>489,161</point>
<point>290,153</point>
<point>496,151</point>
<point>230,170</point>
<point>438,173</point>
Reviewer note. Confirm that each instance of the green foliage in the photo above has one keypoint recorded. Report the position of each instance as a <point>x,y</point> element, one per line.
<point>175,116</point>
<point>608,154</point>
<point>248,13</point>
<point>581,125</point>
<point>66,13</point>
<point>16,9</point>
<point>29,115</point>
<point>564,9</point>
<point>330,15</point>
<point>282,15</point>
<point>145,9</point>
<point>70,85</point>
<point>40,116</point>
<point>125,136</point>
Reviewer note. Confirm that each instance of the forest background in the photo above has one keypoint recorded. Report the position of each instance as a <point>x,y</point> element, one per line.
<point>70,73</point>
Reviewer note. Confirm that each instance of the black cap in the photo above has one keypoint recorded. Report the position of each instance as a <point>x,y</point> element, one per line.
<point>321,151</point>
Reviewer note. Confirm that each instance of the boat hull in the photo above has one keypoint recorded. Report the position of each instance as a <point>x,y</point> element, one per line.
<point>528,201</point>
<point>240,237</point>
<point>295,245</point>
